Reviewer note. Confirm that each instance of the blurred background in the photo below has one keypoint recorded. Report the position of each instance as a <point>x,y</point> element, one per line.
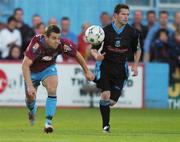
<point>158,84</point>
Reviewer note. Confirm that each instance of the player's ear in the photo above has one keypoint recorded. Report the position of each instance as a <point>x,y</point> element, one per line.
<point>115,15</point>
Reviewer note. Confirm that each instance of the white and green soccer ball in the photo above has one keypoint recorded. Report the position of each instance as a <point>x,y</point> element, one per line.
<point>94,35</point>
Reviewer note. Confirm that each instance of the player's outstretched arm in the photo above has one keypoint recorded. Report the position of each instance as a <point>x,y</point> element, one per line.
<point>26,73</point>
<point>89,75</point>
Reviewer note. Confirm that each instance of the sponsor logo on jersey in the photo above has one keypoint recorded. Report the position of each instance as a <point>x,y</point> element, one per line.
<point>47,58</point>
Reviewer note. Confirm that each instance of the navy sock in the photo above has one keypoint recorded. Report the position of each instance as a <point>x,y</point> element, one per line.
<point>105,111</point>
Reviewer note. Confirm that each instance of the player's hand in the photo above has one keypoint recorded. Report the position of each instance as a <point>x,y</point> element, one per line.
<point>99,57</point>
<point>31,92</point>
<point>135,70</point>
<point>89,75</point>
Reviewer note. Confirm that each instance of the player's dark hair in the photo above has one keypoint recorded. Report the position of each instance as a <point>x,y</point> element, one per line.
<point>162,31</point>
<point>39,25</point>
<point>52,29</point>
<point>11,18</point>
<point>163,12</point>
<point>65,18</point>
<point>118,8</point>
<point>36,15</point>
<point>151,12</point>
<point>104,13</point>
<point>18,9</point>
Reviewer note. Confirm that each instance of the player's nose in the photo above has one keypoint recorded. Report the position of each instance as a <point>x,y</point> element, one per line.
<point>57,41</point>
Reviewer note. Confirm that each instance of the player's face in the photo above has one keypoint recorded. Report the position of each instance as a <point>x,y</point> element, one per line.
<point>65,24</point>
<point>53,40</point>
<point>41,29</point>
<point>138,16</point>
<point>163,37</point>
<point>19,15</point>
<point>177,18</point>
<point>15,53</point>
<point>36,20</point>
<point>122,17</point>
<point>12,25</point>
<point>177,37</point>
<point>151,18</point>
<point>163,19</point>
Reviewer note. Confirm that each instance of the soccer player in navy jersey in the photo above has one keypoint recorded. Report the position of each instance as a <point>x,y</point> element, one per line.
<point>39,66</point>
<point>111,67</point>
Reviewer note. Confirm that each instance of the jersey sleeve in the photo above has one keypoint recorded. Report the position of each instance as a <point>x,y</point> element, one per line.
<point>32,48</point>
<point>69,48</point>
<point>136,41</point>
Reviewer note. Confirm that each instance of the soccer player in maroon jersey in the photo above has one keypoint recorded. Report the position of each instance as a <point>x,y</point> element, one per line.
<point>39,66</point>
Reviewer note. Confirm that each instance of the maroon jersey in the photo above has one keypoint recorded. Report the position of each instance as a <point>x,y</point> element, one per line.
<point>43,56</point>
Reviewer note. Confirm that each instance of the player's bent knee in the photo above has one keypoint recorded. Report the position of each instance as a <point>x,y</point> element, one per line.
<point>105,95</point>
<point>51,90</point>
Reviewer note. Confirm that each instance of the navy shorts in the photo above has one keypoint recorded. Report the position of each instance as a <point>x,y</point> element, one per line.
<point>111,77</point>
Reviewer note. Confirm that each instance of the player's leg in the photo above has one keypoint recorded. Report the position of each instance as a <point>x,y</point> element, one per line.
<point>104,103</point>
<point>50,83</point>
<point>101,80</point>
<point>116,90</point>
<point>31,106</point>
<point>104,106</point>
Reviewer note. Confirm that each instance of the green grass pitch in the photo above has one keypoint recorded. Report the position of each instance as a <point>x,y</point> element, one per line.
<point>84,125</point>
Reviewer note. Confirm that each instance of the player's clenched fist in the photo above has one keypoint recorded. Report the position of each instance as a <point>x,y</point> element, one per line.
<point>89,75</point>
<point>99,57</point>
<point>31,92</point>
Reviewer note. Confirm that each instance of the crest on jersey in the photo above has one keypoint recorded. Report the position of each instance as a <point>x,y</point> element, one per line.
<point>35,47</point>
<point>117,43</point>
<point>67,48</point>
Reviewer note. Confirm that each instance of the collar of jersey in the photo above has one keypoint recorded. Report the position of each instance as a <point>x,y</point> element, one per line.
<point>42,39</point>
<point>118,30</point>
<point>49,48</point>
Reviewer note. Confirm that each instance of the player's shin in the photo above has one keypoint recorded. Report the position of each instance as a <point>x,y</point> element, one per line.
<point>32,107</point>
<point>105,111</point>
<point>50,108</point>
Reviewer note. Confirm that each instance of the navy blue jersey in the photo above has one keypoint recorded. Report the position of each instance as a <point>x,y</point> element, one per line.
<point>118,46</point>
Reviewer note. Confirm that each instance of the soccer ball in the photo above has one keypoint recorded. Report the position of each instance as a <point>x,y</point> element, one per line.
<point>94,35</point>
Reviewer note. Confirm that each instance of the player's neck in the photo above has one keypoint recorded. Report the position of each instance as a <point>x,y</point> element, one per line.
<point>65,32</point>
<point>118,25</point>
<point>49,47</point>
